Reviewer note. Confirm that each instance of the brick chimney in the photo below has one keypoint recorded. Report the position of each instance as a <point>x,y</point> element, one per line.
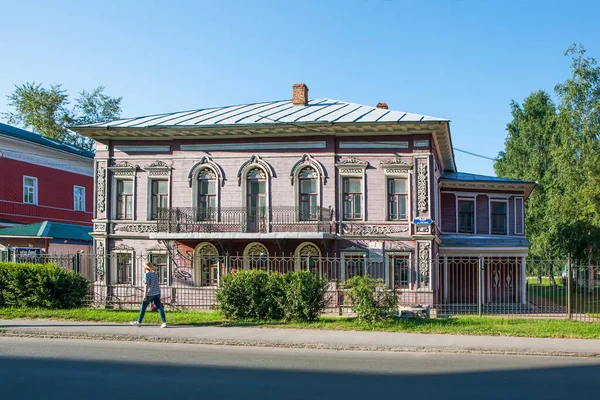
<point>299,94</point>
<point>382,105</point>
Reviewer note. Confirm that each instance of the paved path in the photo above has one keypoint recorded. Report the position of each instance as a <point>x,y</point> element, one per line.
<point>297,338</point>
<point>75,369</point>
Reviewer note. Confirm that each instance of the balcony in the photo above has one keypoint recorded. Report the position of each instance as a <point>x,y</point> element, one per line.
<point>257,220</point>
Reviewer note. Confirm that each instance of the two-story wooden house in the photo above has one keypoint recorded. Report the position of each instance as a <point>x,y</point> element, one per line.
<point>334,187</point>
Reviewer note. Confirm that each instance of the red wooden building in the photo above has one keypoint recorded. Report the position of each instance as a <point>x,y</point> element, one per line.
<point>43,180</point>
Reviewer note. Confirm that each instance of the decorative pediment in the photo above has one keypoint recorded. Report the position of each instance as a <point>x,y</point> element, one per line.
<point>352,166</point>
<point>124,168</point>
<point>307,161</point>
<point>205,166</point>
<point>156,248</point>
<point>352,161</point>
<point>254,162</point>
<point>158,168</point>
<point>122,247</point>
<point>396,166</point>
<point>397,162</point>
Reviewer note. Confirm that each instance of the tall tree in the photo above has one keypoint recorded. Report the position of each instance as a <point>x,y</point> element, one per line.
<point>47,111</point>
<point>527,156</point>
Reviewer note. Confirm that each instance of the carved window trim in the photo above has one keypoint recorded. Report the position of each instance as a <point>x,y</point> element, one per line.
<point>206,163</point>
<point>204,249</point>
<point>398,168</point>
<point>351,167</point>
<point>123,249</point>
<point>123,171</point>
<point>157,171</point>
<point>299,263</point>
<point>256,162</point>
<point>247,253</point>
<point>307,161</point>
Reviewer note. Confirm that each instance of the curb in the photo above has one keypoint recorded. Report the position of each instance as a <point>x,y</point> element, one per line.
<point>36,333</point>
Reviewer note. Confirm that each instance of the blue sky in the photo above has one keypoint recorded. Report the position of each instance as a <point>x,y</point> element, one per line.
<point>459,59</point>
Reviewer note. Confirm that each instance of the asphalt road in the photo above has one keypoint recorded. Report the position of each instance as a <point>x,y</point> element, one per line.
<point>82,369</point>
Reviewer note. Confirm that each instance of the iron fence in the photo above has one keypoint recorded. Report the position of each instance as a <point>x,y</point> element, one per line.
<point>501,286</point>
<point>245,219</point>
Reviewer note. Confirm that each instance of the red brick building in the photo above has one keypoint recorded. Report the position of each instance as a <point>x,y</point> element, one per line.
<point>43,180</point>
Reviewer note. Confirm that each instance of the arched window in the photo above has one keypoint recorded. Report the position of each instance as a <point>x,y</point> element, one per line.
<point>308,175</point>
<point>207,195</point>
<point>206,265</point>
<point>308,257</point>
<point>309,194</point>
<point>205,179</point>
<point>256,256</point>
<point>254,177</point>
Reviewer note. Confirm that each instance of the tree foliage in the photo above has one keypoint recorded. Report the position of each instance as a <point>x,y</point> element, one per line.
<point>559,147</point>
<point>48,111</point>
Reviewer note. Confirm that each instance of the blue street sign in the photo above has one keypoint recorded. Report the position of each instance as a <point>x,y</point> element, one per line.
<point>422,221</point>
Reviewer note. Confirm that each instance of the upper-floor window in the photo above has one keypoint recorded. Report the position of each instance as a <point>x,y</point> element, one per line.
<point>207,195</point>
<point>256,201</point>
<point>78,198</point>
<point>353,198</point>
<point>160,197</point>
<point>309,194</point>
<point>30,190</point>
<point>124,199</point>
<point>466,216</point>
<point>498,218</point>
<point>397,199</point>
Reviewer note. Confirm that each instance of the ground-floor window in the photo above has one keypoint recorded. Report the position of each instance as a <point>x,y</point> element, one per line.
<point>256,256</point>
<point>400,271</point>
<point>206,271</point>
<point>124,268</point>
<point>161,262</point>
<point>353,265</point>
<point>308,257</point>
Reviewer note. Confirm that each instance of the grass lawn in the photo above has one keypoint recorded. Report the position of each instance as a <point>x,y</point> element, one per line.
<point>459,325</point>
<point>582,300</point>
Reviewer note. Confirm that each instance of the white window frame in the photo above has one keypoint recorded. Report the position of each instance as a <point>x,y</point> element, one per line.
<point>152,253</point>
<point>394,173</point>
<point>256,162</point>
<point>389,269</point>
<point>159,171</point>
<point>115,198</point>
<point>122,249</point>
<point>497,200</point>
<point>522,200</point>
<point>208,163</point>
<point>34,187</point>
<point>82,208</point>
<point>351,254</point>
<point>352,167</point>
<point>298,265</point>
<point>307,161</point>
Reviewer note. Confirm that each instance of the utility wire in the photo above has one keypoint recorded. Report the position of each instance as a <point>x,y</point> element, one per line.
<point>476,155</point>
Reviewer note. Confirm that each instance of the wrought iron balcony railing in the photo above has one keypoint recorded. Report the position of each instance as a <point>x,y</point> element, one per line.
<point>245,219</point>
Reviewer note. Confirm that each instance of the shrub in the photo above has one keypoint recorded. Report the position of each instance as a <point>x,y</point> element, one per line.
<point>304,296</point>
<point>261,295</point>
<point>371,300</point>
<point>41,285</point>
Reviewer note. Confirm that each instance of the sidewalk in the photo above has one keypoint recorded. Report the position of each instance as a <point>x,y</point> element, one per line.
<point>299,338</point>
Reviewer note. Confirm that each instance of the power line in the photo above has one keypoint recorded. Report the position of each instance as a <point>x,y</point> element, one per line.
<point>476,155</point>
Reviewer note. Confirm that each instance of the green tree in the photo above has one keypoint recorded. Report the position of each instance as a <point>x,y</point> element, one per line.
<point>47,111</point>
<point>532,135</point>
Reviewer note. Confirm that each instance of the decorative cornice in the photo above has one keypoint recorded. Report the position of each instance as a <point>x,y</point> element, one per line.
<point>396,162</point>
<point>156,248</point>
<point>122,247</point>
<point>372,230</point>
<point>353,161</point>
<point>137,228</point>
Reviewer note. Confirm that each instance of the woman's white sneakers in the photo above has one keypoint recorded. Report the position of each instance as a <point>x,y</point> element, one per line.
<point>135,323</point>
<point>164,325</point>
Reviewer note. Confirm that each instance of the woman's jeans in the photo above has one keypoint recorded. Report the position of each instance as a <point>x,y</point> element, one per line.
<point>152,299</point>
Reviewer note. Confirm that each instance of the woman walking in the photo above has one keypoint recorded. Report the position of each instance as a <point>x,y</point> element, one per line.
<point>152,294</point>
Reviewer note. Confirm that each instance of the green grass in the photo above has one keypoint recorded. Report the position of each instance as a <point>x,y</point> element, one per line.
<point>582,301</point>
<point>460,325</point>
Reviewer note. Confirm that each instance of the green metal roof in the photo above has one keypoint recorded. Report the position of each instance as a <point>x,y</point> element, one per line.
<point>22,134</point>
<point>47,229</point>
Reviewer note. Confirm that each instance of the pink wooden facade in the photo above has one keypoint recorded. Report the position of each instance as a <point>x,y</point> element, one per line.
<point>415,154</point>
